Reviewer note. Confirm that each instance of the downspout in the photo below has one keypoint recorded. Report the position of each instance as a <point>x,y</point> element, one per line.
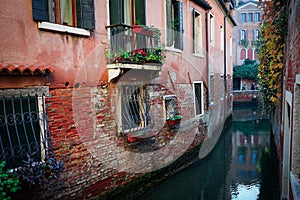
<point>207,56</point>
<point>225,58</point>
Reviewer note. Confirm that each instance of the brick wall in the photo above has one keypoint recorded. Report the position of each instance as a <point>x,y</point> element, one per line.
<point>96,157</point>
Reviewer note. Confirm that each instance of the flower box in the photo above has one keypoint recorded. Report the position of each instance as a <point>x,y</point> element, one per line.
<point>141,30</point>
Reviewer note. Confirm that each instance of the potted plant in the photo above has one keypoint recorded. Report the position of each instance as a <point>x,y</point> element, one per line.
<point>174,120</point>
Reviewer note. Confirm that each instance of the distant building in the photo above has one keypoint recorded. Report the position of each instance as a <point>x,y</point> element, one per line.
<point>247,31</point>
<point>245,36</point>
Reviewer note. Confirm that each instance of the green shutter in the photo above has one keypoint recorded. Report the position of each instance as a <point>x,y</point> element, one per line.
<point>169,22</point>
<point>178,24</point>
<point>116,12</point>
<point>194,29</point>
<point>85,14</point>
<point>140,12</point>
<point>40,10</point>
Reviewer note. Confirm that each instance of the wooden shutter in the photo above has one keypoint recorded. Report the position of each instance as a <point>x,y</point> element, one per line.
<point>169,22</point>
<point>140,12</point>
<point>85,14</point>
<point>116,12</point>
<point>194,29</point>
<point>40,10</point>
<point>179,27</point>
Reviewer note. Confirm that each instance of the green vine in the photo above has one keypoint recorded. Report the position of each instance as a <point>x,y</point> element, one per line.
<point>9,183</point>
<point>273,31</point>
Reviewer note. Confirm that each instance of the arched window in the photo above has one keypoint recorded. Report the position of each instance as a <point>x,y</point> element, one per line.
<point>256,34</point>
<point>250,54</point>
<point>243,54</point>
<point>243,35</point>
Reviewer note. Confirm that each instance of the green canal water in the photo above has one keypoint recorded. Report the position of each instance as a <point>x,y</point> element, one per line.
<point>239,167</point>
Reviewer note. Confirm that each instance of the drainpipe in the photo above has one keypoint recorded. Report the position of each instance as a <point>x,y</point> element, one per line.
<point>207,21</point>
<point>225,58</point>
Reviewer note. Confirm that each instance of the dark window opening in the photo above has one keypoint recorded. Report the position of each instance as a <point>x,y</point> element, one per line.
<point>75,13</point>
<point>174,24</point>
<point>20,131</point>
<point>135,108</point>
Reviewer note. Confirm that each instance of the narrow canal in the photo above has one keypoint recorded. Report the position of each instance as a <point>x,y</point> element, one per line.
<point>239,167</point>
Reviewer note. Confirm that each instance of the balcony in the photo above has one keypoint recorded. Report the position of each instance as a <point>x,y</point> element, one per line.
<point>134,47</point>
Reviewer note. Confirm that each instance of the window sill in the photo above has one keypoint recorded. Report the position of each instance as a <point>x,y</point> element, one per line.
<point>63,29</point>
<point>198,55</point>
<point>171,48</point>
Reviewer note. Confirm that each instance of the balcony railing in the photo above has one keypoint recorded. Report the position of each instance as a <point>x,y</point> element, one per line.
<point>134,44</point>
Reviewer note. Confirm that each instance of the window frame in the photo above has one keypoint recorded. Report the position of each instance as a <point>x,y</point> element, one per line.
<point>9,98</point>
<point>127,12</point>
<point>222,37</point>
<point>83,17</point>
<point>243,35</point>
<point>257,17</point>
<point>256,34</point>
<point>243,17</point>
<point>174,41</point>
<point>125,105</point>
<point>197,38</point>
<point>250,17</point>
<point>212,30</point>
<point>201,104</point>
<point>165,110</point>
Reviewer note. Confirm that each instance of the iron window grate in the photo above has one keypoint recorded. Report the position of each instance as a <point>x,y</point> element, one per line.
<point>135,108</point>
<point>23,129</point>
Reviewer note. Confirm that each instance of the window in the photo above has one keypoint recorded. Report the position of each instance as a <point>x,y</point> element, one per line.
<point>198,97</point>
<point>257,17</point>
<point>221,38</point>
<point>243,17</point>
<point>197,33</point>
<point>171,107</point>
<point>243,54</point>
<point>134,107</point>
<point>250,17</point>
<point>73,13</point>
<point>174,24</point>
<point>256,34</point>
<point>127,12</point>
<point>212,30</point>
<point>230,46</point>
<point>243,35</point>
<point>22,128</point>
<point>250,54</point>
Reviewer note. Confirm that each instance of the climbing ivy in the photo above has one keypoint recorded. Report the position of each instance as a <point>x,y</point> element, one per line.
<point>273,30</point>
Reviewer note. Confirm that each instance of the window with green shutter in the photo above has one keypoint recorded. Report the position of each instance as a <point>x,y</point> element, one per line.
<point>73,13</point>
<point>127,12</point>
<point>174,21</point>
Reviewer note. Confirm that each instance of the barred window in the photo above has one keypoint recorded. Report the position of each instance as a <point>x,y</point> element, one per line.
<point>22,132</point>
<point>135,107</point>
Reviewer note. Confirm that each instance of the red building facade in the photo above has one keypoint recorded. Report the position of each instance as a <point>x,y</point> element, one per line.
<point>87,83</point>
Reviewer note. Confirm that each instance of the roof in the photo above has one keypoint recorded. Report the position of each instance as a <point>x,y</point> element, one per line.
<point>25,70</point>
<point>242,4</point>
<point>203,3</point>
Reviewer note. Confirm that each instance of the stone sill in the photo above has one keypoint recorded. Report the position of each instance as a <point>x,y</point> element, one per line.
<point>63,29</point>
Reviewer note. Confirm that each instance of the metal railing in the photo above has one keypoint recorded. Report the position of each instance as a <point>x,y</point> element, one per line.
<point>133,44</point>
<point>23,130</point>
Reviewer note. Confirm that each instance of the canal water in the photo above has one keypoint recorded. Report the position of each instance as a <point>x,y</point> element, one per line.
<point>239,166</point>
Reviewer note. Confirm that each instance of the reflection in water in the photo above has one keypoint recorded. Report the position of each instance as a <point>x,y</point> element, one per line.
<point>233,169</point>
<point>249,140</point>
